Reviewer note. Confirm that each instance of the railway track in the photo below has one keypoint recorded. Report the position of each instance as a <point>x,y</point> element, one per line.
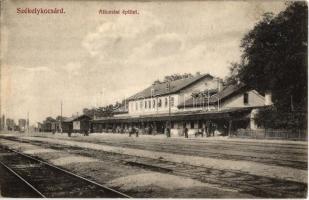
<point>227,151</point>
<point>49,181</point>
<point>205,151</point>
<point>244,183</point>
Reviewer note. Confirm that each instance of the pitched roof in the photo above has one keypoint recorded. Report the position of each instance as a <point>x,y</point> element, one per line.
<point>67,119</point>
<point>175,86</point>
<point>227,91</point>
<point>222,95</point>
<point>74,118</point>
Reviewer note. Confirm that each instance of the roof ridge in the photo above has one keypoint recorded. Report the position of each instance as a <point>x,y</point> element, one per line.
<point>145,93</point>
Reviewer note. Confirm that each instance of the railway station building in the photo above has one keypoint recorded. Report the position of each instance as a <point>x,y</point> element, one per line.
<point>195,103</point>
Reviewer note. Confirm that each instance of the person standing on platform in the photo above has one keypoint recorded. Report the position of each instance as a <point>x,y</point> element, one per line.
<point>168,132</point>
<point>136,132</point>
<point>186,132</point>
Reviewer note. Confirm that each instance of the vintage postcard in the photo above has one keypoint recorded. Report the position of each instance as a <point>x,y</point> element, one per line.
<point>154,99</point>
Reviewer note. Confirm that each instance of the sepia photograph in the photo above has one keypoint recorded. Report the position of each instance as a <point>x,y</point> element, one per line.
<point>154,99</point>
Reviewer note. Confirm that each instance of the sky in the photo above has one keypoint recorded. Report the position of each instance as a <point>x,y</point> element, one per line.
<point>86,59</point>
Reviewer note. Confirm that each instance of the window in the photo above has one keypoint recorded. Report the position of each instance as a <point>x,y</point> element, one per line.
<point>149,104</point>
<point>136,106</point>
<point>166,102</point>
<point>141,104</point>
<point>172,101</point>
<point>172,124</point>
<point>246,98</point>
<point>159,103</point>
<point>154,103</point>
<point>146,105</point>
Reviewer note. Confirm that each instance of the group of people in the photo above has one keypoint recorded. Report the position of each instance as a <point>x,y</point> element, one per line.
<point>208,131</point>
<point>132,131</point>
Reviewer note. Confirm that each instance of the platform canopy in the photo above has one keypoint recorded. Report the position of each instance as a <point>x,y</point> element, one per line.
<point>228,114</point>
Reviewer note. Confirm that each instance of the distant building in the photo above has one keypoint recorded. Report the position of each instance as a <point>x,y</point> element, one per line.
<point>79,124</point>
<point>10,124</point>
<point>40,127</point>
<point>47,125</point>
<point>22,124</point>
<point>2,123</point>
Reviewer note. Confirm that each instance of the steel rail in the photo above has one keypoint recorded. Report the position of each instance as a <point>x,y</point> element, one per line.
<point>21,178</point>
<point>214,181</point>
<point>70,173</point>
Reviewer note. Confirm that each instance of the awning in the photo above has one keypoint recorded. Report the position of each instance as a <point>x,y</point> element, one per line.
<point>228,114</point>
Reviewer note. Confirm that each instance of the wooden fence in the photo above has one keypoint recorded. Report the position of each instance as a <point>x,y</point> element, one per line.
<point>271,134</point>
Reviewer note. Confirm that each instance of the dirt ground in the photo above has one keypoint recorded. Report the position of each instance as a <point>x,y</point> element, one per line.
<point>199,168</point>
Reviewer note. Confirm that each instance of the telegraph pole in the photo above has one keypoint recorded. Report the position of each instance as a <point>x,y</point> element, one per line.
<point>28,122</point>
<point>101,99</point>
<point>184,102</point>
<point>208,99</point>
<point>61,116</point>
<point>169,109</point>
<point>218,94</point>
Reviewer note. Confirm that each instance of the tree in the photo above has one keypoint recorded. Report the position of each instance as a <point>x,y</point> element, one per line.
<point>50,119</point>
<point>59,118</point>
<point>233,77</point>
<point>275,57</point>
<point>105,111</point>
<point>278,119</point>
<point>156,82</point>
<point>89,112</point>
<point>175,77</point>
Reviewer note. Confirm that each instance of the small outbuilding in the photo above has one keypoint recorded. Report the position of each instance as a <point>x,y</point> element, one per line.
<point>76,124</point>
<point>81,124</point>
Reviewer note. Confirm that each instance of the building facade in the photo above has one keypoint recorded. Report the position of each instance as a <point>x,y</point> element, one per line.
<point>164,97</point>
<point>78,124</point>
<point>195,104</point>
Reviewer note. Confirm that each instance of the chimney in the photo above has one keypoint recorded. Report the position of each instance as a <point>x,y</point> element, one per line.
<point>220,84</point>
<point>268,98</point>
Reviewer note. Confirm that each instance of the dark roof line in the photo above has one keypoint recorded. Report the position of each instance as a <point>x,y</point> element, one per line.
<point>222,95</point>
<point>165,116</point>
<point>71,119</point>
<point>175,86</point>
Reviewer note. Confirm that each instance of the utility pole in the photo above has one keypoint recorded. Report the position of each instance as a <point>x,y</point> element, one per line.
<point>203,98</point>
<point>151,98</point>
<point>218,94</point>
<point>28,122</point>
<point>61,116</point>
<point>208,99</point>
<point>169,109</point>
<point>184,102</point>
<point>101,94</point>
